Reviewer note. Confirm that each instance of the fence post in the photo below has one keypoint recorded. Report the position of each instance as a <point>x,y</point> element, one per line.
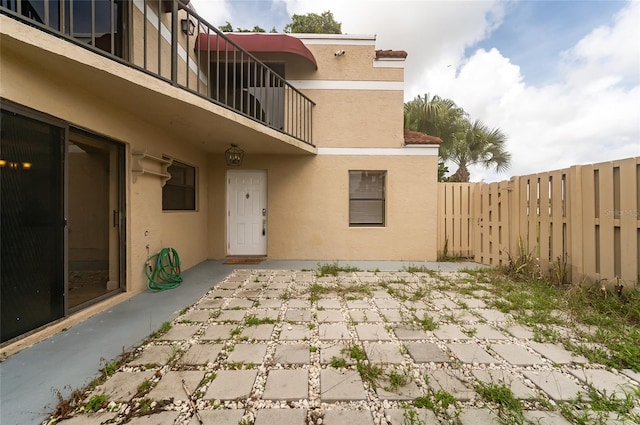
<point>579,233</point>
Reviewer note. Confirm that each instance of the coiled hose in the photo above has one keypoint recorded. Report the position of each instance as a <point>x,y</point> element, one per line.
<point>163,270</point>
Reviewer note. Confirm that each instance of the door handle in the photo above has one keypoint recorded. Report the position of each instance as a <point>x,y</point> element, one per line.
<point>264,227</point>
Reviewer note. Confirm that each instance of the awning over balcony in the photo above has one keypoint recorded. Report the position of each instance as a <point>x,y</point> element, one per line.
<point>257,43</point>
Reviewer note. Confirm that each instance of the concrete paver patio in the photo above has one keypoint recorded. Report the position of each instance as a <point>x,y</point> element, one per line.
<point>287,347</point>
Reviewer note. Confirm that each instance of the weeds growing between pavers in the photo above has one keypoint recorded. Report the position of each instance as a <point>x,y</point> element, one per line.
<point>535,304</point>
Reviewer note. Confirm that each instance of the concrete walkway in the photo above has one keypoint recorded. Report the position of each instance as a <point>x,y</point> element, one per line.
<point>71,359</point>
<point>269,345</point>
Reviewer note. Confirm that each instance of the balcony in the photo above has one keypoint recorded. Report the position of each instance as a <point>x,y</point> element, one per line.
<point>167,40</point>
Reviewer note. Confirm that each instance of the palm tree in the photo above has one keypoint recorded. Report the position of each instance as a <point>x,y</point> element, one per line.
<point>463,142</point>
<point>435,116</point>
<point>477,144</point>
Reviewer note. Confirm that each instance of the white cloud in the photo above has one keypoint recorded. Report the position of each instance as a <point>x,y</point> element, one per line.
<point>590,115</point>
<point>609,50</point>
<point>216,12</point>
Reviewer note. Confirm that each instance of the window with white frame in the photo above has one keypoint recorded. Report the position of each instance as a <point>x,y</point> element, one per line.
<point>179,193</point>
<point>367,198</point>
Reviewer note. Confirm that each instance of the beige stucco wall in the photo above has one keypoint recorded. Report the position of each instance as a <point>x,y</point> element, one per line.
<point>357,118</point>
<point>308,205</point>
<point>308,197</point>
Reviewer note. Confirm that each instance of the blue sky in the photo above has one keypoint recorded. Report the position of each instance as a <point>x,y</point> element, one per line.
<point>534,33</point>
<point>561,78</point>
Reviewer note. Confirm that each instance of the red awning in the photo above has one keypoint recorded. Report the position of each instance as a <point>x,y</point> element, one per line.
<point>257,43</point>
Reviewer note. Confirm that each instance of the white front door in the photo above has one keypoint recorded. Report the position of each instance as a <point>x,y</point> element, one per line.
<point>247,212</point>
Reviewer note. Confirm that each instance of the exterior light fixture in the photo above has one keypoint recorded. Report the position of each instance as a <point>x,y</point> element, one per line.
<point>187,26</point>
<point>3,162</point>
<point>234,156</point>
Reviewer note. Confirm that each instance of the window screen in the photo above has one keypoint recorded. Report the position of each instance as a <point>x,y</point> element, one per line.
<point>367,198</point>
<point>180,191</point>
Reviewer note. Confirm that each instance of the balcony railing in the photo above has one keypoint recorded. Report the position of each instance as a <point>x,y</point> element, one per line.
<point>170,41</point>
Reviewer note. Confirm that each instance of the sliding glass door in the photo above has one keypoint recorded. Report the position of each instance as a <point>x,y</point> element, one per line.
<point>32,223</point>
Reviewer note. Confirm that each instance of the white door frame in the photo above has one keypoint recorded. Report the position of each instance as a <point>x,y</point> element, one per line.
<point>247,212</point>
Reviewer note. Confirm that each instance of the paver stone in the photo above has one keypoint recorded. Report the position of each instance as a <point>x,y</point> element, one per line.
<point>89,418</point>
<point>340,351</point>
<point>471,353</point>
<point>604,381</point>
<point>368,332</point>
<point>427,353</point>
<point>122,386</point>
<point>491,315</point>
<point>478,417</point>
<point>329,304</point>
<point>336,385</point>
<point>364,316</point>
<point>218,332</point>
<point>400,416</point>
<point>362,304</point>
<point>410,333</point>
<point>447,380</point>
<point>348,417</point>
<point>231,384</point>
<point>292,354</point>
<point>449,332</point>
<point>517,355</point>
<point>247,353</point>
<point>557,385</point>
<point>297,315</point>
<point>153,354</point>
<point>505,377</point>
<point>196,316</point>
<point>392,315</point>
<point>557,353</point>
<point>386,303</point>
<point>219,417</point>
<point>383,353</point>
<point>332,331</point>
<point>170,385</point>
<point>200,354</point>
<point>230,316</point>
<point>325,316</point>
<point>259,332</point>
<point>291,332</point>
<point>287,385</point>
<point>409,391</point>
<point>483,331</point>
<point>281,416</point>
<point>544,418</point>
<point>162,418</point>
<point>179,332</point>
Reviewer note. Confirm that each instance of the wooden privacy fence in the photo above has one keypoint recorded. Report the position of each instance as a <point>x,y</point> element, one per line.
<point>586,217</point>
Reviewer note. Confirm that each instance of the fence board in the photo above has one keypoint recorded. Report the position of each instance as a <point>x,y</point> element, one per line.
<point>586,216</point>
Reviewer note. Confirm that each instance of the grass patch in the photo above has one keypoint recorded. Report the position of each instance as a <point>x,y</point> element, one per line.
<point>334,269</point>
<point>96,403</point>
<point>427,323</point>
<point>509,407</point>
<point>164,328</point>
<point>369,373</point>
<point>419,269</point>
<point>357,353</point>
<point>547,308</point>
<point>437,401</point>
<point>397,379</point>
<point>253,320</point>
<point>338,362</point>
<point>599,408</point>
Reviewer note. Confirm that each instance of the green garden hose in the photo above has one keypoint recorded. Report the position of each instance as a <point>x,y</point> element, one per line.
<point>163,270</point>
